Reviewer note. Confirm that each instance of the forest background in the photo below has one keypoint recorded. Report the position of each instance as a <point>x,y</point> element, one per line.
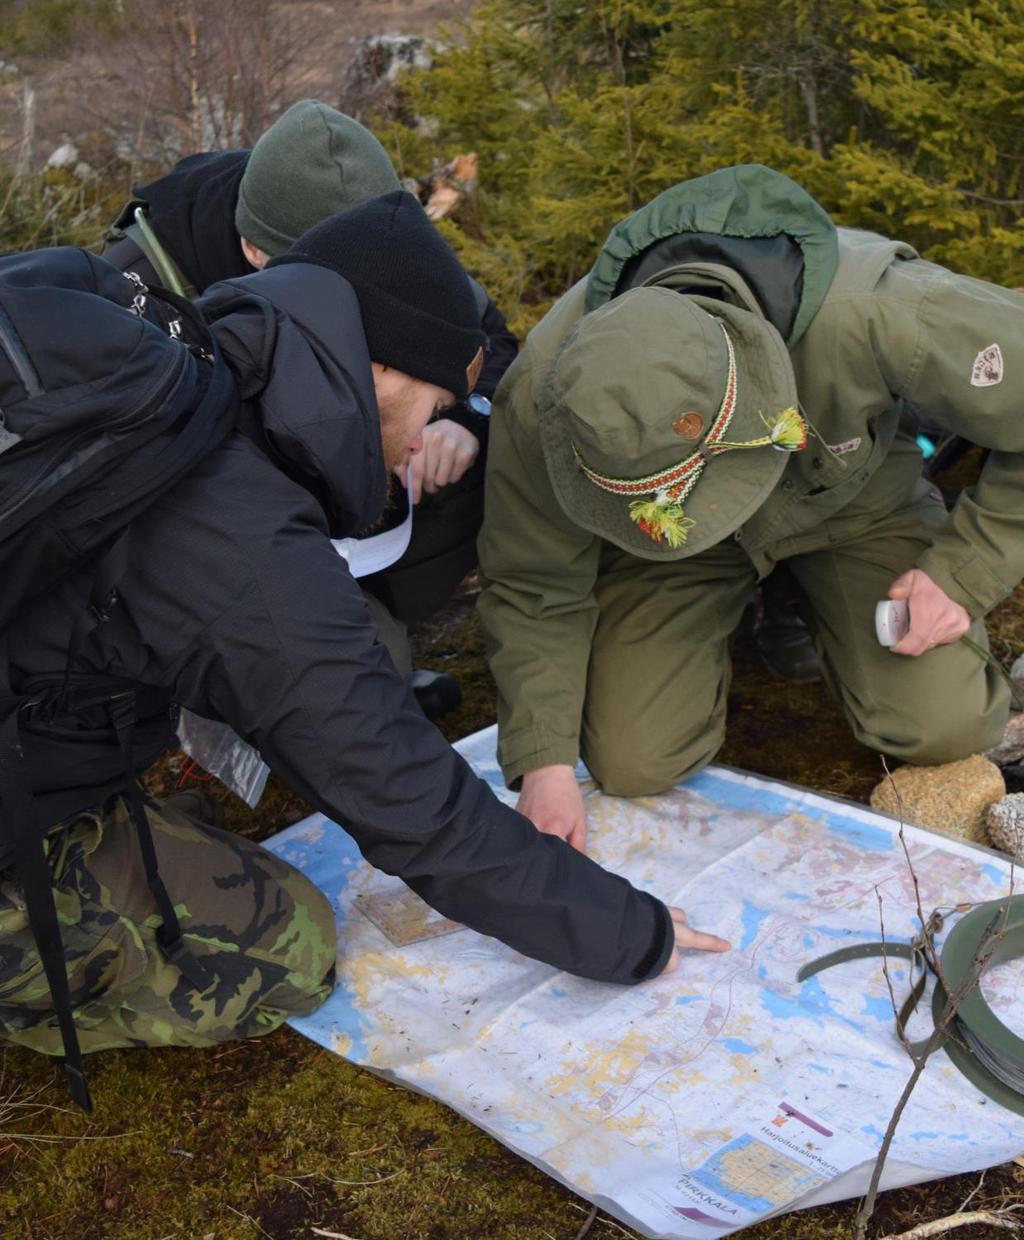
<point>903,117</point>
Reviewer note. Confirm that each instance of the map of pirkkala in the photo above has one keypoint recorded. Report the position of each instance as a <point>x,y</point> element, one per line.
<point>695,1104</point>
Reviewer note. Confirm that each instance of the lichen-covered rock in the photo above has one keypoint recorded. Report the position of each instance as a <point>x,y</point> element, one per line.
<point>953,797</point>
<point>1006,824</point>
<point>1011,748</point>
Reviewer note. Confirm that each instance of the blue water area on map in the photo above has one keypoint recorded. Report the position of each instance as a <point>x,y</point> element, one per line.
<point>328,861</point>
<point>878,1006</point>
<point>752,917</point>
<point>869,936</point>
<point>813,1003</point>
<point>739,1046</point>
<point>683,1000</point>
<point>862,834</point>
<point>872,1131</point>
<point>723,1172</point>
<point>995,874</point>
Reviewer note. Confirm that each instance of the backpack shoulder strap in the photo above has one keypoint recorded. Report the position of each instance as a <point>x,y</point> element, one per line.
<point>31,864</point>
<point>140,230</point>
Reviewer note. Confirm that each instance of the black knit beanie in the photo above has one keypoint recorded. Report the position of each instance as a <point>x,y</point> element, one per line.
<point>418,309</point>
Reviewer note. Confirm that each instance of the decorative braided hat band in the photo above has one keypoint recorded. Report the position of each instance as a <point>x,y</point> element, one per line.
<point>661,516</point>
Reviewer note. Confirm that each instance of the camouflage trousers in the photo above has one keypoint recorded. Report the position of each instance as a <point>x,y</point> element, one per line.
<point>263,931</point>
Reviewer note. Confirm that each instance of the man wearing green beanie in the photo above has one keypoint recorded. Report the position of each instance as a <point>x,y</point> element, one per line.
<point>223,214</point>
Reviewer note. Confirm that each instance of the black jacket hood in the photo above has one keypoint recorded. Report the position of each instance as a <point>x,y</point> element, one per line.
<point>192,210</point>
<point>294,338</point>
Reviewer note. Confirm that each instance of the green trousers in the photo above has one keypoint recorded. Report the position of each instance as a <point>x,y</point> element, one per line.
<point>265,933</point>
<point>660,661</point>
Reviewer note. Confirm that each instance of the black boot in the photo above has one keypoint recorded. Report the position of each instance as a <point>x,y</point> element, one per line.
<point>782,638</point>
<point>436,692</point>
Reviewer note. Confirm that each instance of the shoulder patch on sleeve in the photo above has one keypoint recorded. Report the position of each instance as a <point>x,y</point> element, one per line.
<point>988,367</point>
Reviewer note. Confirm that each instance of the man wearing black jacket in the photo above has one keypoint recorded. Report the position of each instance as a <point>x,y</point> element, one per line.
<point>223,214</point>
<point>235,605</point>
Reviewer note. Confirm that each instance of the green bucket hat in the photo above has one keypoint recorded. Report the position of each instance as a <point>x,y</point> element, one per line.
<point>666,421</point>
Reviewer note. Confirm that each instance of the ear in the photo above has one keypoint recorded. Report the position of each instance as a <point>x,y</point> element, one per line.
<point>254,256</point>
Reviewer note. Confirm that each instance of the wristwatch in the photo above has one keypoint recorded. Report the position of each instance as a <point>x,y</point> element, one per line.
<point>479,404</point>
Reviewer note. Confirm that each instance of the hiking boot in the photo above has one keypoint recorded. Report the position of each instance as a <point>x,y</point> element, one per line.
<point>437,692</point>
<point>782,638</point>
<point>786,647</point>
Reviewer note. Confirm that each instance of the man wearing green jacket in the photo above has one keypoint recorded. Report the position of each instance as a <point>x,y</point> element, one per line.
<point>724,392</point>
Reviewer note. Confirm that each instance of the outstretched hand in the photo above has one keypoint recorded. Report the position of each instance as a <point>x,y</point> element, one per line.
<point>449,449</point>
<point>935,620</point>
<point>691,940</point>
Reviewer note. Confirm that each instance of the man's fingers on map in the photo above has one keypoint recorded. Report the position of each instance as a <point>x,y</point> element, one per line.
<point>692,940</point>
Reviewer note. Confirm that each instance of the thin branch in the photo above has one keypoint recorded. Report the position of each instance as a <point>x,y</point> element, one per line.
<point>249,1219</point>
<point>973,1193</point>
<point>993,1218</point>
<point>982,955</point>
<point>992,933</point>
<point>991,202</point>
<point>588,1223</point>
<point>900,1033</point>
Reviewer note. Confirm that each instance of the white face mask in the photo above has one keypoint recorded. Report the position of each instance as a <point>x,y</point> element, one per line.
<point>369,555</point>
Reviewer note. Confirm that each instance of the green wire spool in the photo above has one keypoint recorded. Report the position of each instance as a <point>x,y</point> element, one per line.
<point>985,1050</point>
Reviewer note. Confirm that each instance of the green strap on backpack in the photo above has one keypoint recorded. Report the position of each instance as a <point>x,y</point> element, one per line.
<point>140,230</point>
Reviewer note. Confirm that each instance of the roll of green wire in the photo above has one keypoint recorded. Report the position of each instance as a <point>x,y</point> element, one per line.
<point>985,1050</point>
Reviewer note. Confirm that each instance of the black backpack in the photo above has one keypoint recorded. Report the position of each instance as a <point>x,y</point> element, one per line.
<point>108,397</point>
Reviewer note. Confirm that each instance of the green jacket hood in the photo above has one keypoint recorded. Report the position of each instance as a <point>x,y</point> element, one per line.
<point>793,259</point>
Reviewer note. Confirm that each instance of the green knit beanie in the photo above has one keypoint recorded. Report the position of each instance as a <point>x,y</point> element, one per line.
<point>311,163</point>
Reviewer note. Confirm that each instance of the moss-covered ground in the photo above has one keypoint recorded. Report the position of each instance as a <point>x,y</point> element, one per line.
<point>276,1138</point>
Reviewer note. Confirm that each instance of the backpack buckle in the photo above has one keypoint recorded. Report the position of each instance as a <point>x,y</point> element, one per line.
<point>101,611</point>
<point>122,709</point>
<point>138,305</point>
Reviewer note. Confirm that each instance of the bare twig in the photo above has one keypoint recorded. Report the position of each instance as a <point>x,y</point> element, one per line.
<point>588,1223</point>
<point>1000,1219</point>
<point>331,1235</point>
<point>249,1219</point>
<point>906,853</point>
<point>381,1179</point>
<point>54,1139</point>
<point>973,1193</point>
<point>606,1222</point>
<point>993,931</point>
<point>888,979</point>
<point>982,955</point>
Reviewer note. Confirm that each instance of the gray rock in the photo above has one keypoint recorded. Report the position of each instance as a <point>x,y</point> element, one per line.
<point>1011,748</point>
<point>65,156</point>
<point>1005,822</point>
